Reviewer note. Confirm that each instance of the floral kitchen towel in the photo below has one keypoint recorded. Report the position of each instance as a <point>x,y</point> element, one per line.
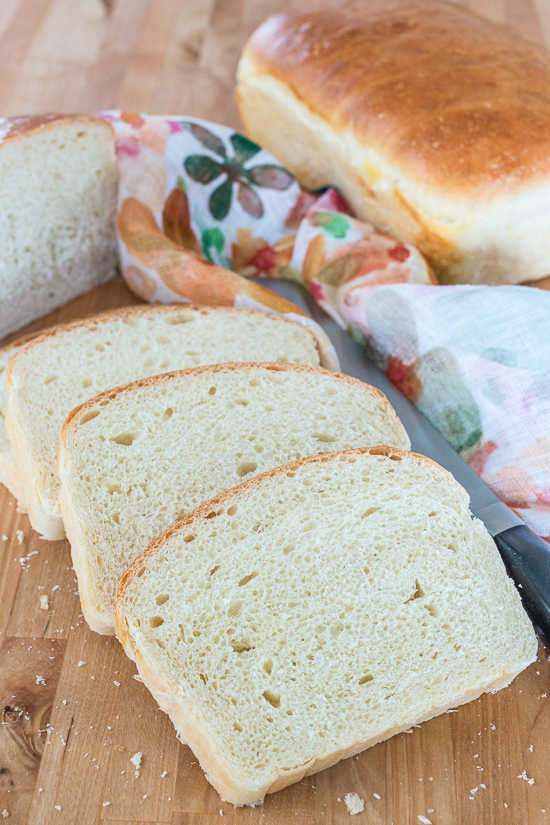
<point>202,208</point>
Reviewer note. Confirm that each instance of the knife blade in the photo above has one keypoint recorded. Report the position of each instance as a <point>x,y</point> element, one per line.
<point>526,556</point>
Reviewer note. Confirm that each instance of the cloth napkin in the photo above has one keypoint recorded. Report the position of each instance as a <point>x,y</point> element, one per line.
<point>202,209</point>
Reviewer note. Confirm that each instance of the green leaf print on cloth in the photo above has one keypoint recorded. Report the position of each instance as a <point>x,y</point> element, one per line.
<point>205,169</point>
<point>447,400</point>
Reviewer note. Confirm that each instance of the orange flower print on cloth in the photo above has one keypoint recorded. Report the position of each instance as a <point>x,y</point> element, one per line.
<point>202,209</point>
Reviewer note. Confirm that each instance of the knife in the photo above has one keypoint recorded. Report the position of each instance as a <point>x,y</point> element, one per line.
<point>526,556</point>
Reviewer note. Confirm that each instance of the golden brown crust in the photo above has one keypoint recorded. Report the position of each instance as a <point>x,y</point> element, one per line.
<point>15,127</point>
<point>203,512</point>
<point>126,312</point>
<point>453,99</point>
<point>71,422</point>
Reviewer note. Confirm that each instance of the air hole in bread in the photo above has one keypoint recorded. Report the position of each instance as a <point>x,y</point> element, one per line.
<point>254,382</point>
<point>232,510</point>
<point>126,439</point>
<point>237,727</point>
<point>162,598</point>
<point>100,347</point>
<point>179,319</point>
<point>88,416</point>
<point>432,514</point>
<point>433,610</point>
<point>324,438</point>
<point>370,511</point>
<point>113,487</point>
<point>213,514</point>
<point>140,573</point>
<point>241,647</point>
<point>87,382</point>
<point>212,391</point>
<point>320,417</point>
<point>242,402</point>
<point>50,379</point>
<point>418,592</point>
<point>274,699</point>
<point>395,458</point>
<point>203,678</point>
<point>248,578</point>
<point>162,339</point>
<point>189,538</point>
<point>268,666</point>
<point>214,569</point>
<point>168,413</point>
<point>235,608</point>
<point>156,621</point>
<point>116,518</point>
<point>246,467</point>
<point>289,548</point>
<point>290,475</point>
<point>364,680</point>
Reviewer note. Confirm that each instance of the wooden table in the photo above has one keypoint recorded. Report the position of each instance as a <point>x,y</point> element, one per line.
<point>68,731</point>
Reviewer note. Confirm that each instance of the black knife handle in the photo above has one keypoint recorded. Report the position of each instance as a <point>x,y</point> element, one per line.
<point>527,558</point>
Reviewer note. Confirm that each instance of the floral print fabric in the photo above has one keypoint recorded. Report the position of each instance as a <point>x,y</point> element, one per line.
<point>202,209</point>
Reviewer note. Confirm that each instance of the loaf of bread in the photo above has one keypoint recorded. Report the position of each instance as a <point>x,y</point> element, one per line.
<point>57,213</point>
<point>68,365</point>
<point>134,461</point>
<point>432,121</point>
<point>318,609</point>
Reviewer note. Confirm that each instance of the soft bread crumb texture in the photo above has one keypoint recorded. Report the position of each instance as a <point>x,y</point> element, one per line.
<point>61,370</point>
<point>317,610</point>
<point>57,216</point>
<point>134,462</point>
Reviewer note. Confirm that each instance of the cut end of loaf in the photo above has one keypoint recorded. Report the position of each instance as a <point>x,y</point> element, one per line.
<point>318,609</point>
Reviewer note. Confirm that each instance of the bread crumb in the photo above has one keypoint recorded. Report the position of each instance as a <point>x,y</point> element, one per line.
<point>376,795</point>
<point>424,820</point>
<point>136,762</point>
<point>137,677</point>
<point>5,814</point>
<point>105,804</point>
<point>120,748</point>
<point>40,680</point>
<point>44,602</point>
<point>57,807</point>
<point>81,663</point>
<point>20,536</point>
<point>523,775</point>
<point>354,803</point>
<point>117,684</point>
<point>4,538</point>
<point>163,774</point>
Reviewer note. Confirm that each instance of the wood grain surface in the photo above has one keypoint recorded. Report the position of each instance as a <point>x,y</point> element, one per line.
<point>72,714</point>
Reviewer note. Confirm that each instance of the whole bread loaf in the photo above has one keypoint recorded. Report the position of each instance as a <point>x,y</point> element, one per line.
<point>134,461</point>
<point>432,121</point>
<point>67,365</point>
<point>318,609</point>
<point>57,213</point>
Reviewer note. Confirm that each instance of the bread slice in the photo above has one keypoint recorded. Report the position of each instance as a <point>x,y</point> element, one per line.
<point>134,461</point>
<point>10,476</point>
<point>58,213</point>
<point>70,364</point>
<point>318,609</point>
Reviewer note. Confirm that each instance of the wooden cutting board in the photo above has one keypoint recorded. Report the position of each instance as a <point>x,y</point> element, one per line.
<point>72,714</point>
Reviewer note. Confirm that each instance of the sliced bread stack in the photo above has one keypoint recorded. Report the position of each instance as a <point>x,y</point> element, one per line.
<point>318,609</point>
<point>57,213</point>
<point>135,460</point>
<point>67,365</point>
